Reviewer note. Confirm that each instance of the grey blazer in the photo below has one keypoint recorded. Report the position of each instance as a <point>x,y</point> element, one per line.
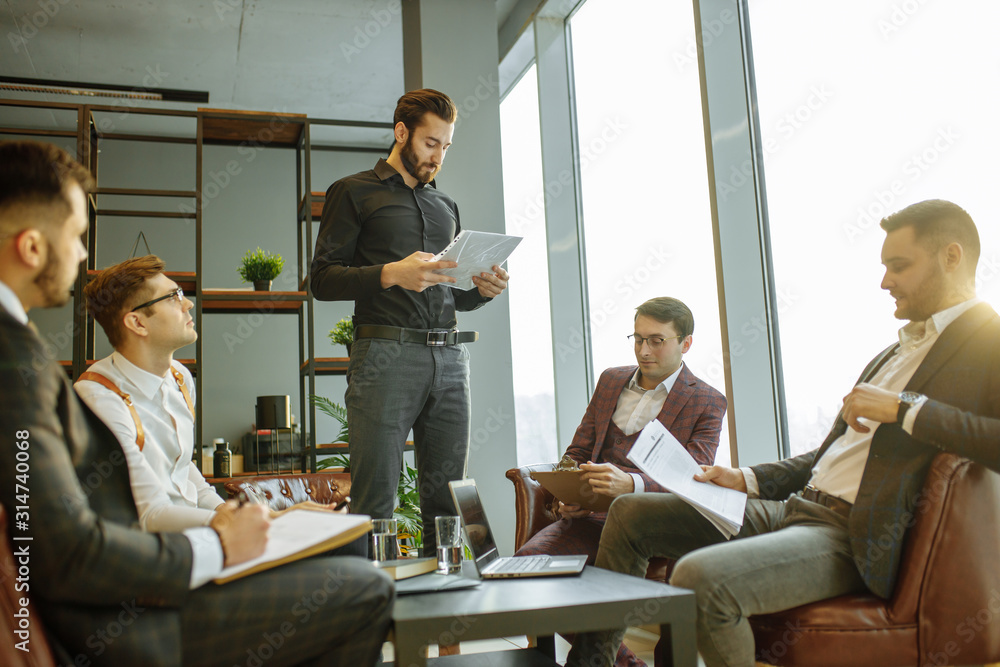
<point>104,588</point>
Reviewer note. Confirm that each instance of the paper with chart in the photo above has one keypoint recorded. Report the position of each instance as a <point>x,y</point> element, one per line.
<point>659,454</point>
<point>475,252</point>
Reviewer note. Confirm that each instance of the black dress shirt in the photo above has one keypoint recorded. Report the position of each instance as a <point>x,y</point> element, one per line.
<point>373,218</point>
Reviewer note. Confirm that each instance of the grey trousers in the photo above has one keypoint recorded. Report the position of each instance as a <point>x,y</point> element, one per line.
<point>788,553</point>
<point>317,611</point>
<point>391,388</point>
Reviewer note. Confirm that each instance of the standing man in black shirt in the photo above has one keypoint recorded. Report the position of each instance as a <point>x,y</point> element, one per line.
<point>409,367</point>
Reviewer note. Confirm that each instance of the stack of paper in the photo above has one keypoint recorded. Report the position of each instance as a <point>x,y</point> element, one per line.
<point>659,454</point>
<point>475,252</point>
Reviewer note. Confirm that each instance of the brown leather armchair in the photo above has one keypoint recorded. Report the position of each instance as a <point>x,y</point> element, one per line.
<point>946,605</point>
<point>533,510</point>
<point>40,655</point>
<point>283,491</point>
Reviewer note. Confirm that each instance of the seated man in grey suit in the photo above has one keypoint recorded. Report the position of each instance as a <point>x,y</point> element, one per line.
<point>811,520</point>
<point>109,593</point>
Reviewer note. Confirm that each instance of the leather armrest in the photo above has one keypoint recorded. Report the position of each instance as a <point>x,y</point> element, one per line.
<point>532,503</point>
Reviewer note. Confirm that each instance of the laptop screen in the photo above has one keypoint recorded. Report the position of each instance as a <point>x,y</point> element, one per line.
<point>477,528</point>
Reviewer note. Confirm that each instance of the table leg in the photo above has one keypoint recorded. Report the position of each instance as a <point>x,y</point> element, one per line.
<point>677,646</point>
<point>409,653</point>
<point>546,644</point>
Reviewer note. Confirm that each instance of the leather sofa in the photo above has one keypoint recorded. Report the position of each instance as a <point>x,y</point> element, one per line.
<point>40,654</point>
<point>945,609</point>
<point>283,491</point>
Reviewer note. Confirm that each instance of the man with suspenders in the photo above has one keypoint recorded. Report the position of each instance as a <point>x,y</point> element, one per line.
<point>144,396</point>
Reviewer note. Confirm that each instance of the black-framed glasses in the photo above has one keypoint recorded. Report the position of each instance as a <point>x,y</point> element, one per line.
<point>654,342</point>
<point>176,294</point>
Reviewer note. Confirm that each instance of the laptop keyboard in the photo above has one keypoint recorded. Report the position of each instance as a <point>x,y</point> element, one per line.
<point>521,564</point>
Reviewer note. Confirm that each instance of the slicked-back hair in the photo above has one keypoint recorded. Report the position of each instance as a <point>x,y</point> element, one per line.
<point>936,223</point>
<point>411,107</point>
<point>34,179</point>
<point>117,290</point>
<point>668,310</point>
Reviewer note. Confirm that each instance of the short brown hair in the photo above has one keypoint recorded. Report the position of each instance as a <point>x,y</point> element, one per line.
<point>411,107</point>
<point>34,177</point>
<point>936,223</point>
<point>117,290</point>
<point>667,310</point>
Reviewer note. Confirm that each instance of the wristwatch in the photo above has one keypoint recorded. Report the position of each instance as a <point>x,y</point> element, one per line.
<point>907,400</point>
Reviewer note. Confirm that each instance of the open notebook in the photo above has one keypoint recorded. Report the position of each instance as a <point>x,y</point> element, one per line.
<point>299,533</point>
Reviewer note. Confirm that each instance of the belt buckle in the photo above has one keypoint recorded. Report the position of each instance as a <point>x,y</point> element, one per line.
<point>437,338</point>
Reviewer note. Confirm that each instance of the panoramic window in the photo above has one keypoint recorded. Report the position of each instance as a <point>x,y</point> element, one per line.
<point>531,338</point>
<point>885,106</point>
<point>647,217</point>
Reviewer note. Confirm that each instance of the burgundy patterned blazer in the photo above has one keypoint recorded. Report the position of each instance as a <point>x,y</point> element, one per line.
<point>692,412</point>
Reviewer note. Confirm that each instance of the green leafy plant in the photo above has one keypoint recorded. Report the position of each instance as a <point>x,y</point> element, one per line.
<point>259,265</point>
<point>407,512</point>
<point>342,333</point>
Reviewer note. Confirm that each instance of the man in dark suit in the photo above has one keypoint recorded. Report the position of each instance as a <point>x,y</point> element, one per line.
<point>832,521</point>
<point>107,592</point>
<point>626,399</point>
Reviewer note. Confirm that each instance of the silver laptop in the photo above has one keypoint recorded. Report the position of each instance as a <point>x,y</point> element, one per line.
<point>484,549</point>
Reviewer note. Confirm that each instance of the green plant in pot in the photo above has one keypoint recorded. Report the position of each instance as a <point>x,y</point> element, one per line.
<point>343,334</point>
<point>260,268</point>
<point>407,512</point>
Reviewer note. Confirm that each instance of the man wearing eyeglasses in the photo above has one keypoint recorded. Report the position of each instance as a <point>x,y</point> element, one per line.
<point>147,318</point>
<point>833,521</point>
<point>627,398</point>
<point>66,485</point>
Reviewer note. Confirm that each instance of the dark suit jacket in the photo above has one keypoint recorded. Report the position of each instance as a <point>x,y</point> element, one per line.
<point>105,589</point>
<point>961,378</point>
<point>692,412</point>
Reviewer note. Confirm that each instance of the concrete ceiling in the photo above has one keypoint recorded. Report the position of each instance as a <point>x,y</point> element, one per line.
<point>329,59</point>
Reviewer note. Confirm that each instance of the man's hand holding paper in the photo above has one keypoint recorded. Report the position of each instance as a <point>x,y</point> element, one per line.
<point>658,454</point>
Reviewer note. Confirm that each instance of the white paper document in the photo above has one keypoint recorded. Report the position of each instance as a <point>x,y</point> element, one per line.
<point>659,454</point>
<point>475,252</point>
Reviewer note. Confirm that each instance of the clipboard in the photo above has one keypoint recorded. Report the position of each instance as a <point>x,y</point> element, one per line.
<point>567,486</point>
<point>475,252</point>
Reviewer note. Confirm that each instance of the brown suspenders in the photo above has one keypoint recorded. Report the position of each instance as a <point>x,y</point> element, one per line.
<point>140,437</point>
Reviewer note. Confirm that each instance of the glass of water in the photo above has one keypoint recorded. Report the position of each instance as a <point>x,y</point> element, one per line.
<point>449,544</point>
<point>384,539</point>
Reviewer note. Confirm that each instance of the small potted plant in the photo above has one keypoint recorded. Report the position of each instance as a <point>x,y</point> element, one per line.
<point>260,268</point>
<point>343,334</point>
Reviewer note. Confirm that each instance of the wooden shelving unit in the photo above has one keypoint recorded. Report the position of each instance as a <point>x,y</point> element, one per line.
<point>213,127</point>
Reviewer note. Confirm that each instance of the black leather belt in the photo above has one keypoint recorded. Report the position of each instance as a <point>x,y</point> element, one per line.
<point>429,337</point>
<point>812,494</point>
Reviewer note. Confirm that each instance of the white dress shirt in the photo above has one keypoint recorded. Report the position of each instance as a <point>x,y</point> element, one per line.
<point>12,304</point>
<point>206,556</point>
<point>838,472</point>
<point>637,407</point>
<point>171,495</point>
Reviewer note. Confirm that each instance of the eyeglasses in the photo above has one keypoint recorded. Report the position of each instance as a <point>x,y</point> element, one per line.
<point>654,342</point>
<point>176,294</point>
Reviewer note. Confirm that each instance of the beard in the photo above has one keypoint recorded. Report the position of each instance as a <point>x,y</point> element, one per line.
<point>425,172</point>
<point>49,282</point>
<point>926,299</point>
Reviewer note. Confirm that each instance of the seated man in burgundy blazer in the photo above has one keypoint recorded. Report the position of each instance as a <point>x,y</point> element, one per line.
<point>627,398</point>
